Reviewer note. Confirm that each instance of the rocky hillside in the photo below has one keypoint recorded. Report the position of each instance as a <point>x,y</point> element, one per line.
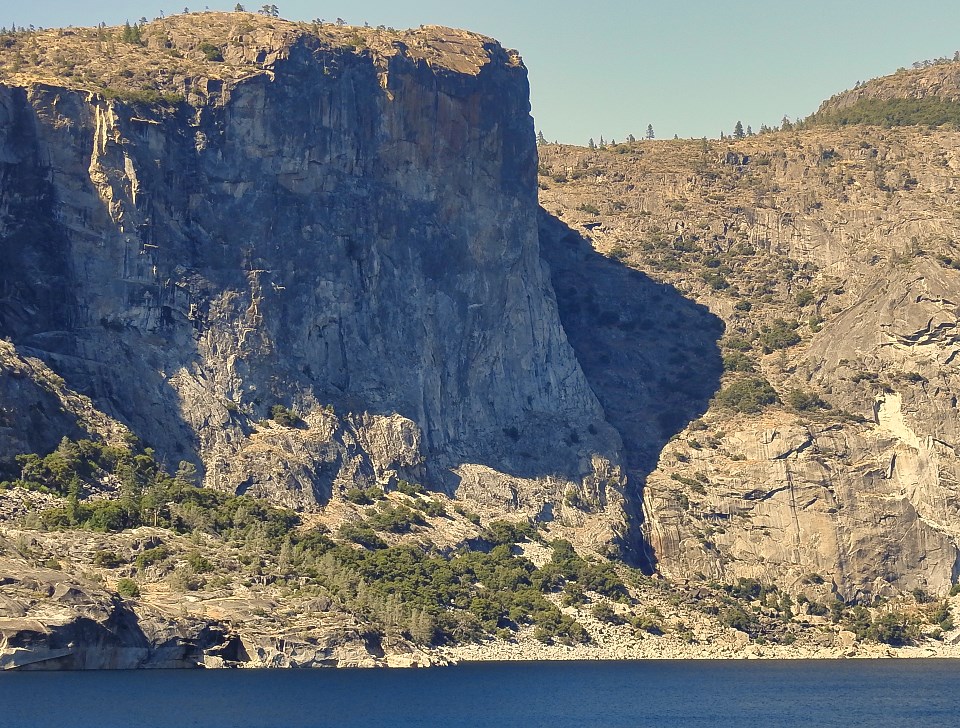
<point>939,80</point>
<point>829,450</point>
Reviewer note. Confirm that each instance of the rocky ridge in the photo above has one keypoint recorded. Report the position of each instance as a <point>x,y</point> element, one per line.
<point>936,80</point>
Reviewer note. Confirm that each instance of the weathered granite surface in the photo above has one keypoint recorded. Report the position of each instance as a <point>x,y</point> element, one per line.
<point>348,230</point>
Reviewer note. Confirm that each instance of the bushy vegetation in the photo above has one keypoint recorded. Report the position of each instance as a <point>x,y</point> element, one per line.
<point>211,52</point>
<point>748,394</point>
<point>737,361</point>
<point>363,496</point>
<point>928,111</point>
<point>805,401</point>
<point>285,416</point>
<point>127,587</point>
<point>892,628</point>
<point>417,591</point>
<point>779,334</point>
<point>148,495</point>
<point>149,96</point>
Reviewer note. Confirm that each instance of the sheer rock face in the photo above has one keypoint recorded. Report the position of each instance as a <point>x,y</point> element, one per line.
<point>349,234</point>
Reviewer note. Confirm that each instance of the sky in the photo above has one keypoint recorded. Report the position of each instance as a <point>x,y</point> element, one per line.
<point>608,68</point>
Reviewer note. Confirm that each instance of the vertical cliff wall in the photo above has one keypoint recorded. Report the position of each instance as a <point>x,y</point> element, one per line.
<point>348,232</point>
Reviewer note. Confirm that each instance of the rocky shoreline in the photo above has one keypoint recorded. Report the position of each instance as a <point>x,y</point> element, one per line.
<point>655,649</point>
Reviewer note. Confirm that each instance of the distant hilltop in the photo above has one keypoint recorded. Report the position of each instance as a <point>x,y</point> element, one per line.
<point>928,94</point>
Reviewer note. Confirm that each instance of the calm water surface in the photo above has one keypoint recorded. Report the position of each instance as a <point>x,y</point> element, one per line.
<point>553,694</point>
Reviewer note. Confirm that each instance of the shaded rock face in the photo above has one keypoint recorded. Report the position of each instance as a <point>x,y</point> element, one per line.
<point>649,353</point>
<point>350,235</point>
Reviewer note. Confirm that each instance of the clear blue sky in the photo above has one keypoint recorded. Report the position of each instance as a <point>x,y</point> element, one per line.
<point>609,67</point>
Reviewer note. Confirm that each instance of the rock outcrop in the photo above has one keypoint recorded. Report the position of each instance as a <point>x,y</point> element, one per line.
<point>340,222</point>
<point>931,81</point>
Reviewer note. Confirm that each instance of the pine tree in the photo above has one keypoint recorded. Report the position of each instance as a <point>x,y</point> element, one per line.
<point>650,134</point>
<point>749,130</point>
<point>541,139</point>
<point>591,144</point>
<point>738,131</point>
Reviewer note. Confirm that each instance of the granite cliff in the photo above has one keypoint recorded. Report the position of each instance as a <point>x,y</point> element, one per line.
<point>191,243</point>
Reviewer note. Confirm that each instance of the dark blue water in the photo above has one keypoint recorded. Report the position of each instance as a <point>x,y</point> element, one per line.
<point>552,694</point>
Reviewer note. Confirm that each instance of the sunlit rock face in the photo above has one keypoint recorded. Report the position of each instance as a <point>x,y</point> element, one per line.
<point>349,234</point>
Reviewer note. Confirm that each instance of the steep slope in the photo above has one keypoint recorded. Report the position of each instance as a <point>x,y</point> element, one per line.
<point>241,214</point>
<point>829,452</point>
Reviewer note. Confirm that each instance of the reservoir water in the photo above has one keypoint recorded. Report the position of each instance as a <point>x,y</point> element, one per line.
<point>550,694</point>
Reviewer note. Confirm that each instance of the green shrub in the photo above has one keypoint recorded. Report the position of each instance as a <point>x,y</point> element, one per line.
<point>432,508</point>
<point>199,563</point>
<point>605,613</point>
<point>395,519</point>
<point>857,619</point>
<point>941,616</point>
<point>893,629</point>
<point>149,96</point>
<point>210,52</point>
<point>737,361</point>
<point>507,532</point>
<point>779,334</point>
<point>647,623</point>
<point>740,619</point>
<point>411,489</point>
<point>285,416</point>
<point>363,496</point>
<point>107,559</point>
<point>128,588</point>
<point>737,343</point>
<point>151,556</point>
<point>748,395</point>
<point>805,401</point>
<point>804,297</point>
<point>362,534</point>
<point>746,589</point>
